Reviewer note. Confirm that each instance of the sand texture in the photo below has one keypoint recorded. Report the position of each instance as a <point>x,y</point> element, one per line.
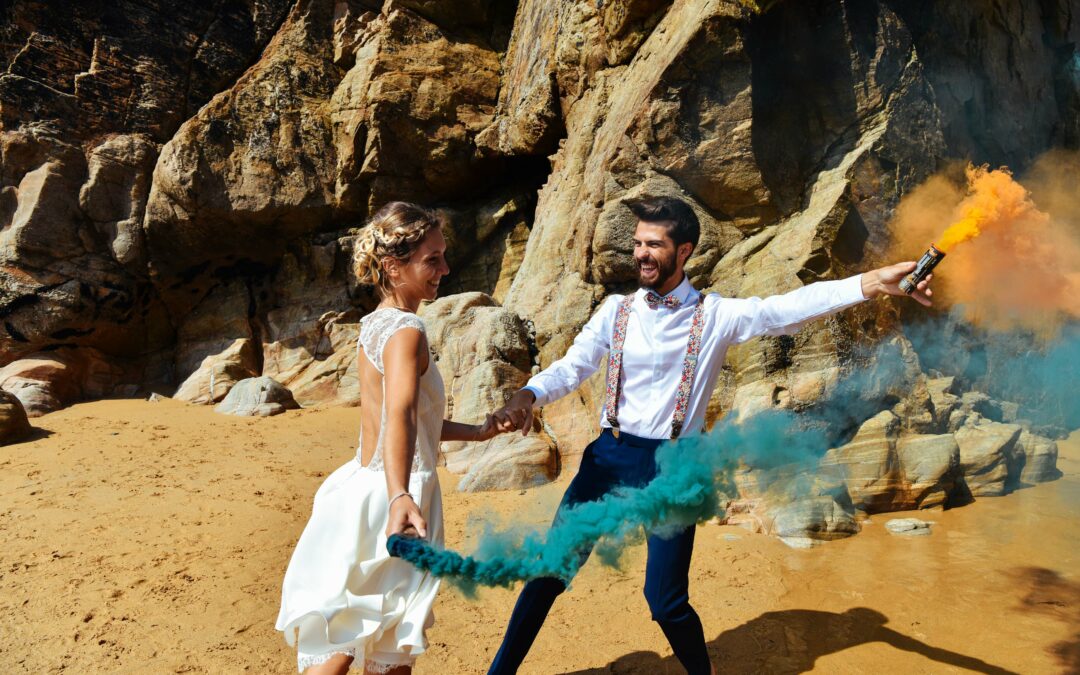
<point>152,537</point>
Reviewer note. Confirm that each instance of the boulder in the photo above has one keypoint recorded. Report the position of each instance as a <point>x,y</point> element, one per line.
<point>929,464</point>
<point>908,526</point>
<point>869,465</point>
<point>42,383</point>
<point>218,373</point>
<point>484,354</point>
<point>257,397</point>
<point>817,518</point>
<point>1040,458</point>
<point>13,423</point>
<point>48,381</point>
<point>987,453</point>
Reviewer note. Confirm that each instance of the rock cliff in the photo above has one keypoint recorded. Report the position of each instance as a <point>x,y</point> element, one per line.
<point>180,185</point>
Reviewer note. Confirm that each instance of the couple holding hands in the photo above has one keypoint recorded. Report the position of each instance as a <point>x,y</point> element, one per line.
<point>347,604</point>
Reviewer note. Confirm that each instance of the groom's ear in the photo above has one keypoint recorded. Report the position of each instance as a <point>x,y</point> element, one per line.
<point>684,251</point>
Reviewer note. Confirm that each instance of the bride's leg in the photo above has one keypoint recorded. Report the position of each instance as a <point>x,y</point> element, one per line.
<point>375,668</point>
<point>338,664</point>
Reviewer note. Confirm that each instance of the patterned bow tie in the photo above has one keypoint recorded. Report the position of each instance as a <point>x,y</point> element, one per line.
<point>653,301</point>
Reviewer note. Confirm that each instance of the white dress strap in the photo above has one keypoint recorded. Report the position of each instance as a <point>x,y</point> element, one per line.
<point>377,328</point>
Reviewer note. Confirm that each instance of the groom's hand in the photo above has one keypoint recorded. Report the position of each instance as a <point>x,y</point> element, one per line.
<point>886,281</point>
<point>518,411</point>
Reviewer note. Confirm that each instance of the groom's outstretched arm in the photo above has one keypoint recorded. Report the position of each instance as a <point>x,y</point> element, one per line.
<point>744,318</point>
<point>582,359</point>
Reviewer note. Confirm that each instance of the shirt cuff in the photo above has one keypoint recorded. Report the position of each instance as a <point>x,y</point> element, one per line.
<point>851,290</point>
<point>536,392</point>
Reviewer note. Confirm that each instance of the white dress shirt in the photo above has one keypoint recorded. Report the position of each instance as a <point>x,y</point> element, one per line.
<point>655,346</point>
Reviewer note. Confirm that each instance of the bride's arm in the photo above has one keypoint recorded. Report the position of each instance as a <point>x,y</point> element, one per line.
<point>456,431</point>
<point>405,357</point>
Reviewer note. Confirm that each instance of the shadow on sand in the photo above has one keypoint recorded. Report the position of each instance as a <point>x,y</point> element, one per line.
<point>791,641</point>
<point>1050,594</point>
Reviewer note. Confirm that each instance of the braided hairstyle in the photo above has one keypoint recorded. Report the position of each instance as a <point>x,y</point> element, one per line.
<point>395,231</point>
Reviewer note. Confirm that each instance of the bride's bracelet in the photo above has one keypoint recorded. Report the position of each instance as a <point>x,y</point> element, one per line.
<point>396,497</point>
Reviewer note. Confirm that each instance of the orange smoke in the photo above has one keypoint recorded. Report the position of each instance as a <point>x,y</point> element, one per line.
<point>1010,263</point>
<point>994,201</point>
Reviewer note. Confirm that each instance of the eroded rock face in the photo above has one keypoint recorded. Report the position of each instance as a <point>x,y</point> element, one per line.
<point>87,97</point>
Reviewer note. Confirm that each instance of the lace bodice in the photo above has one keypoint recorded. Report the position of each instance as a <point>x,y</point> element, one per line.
<point>376,329</point>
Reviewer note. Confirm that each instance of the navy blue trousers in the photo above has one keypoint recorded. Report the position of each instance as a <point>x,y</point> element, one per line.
<point>610,462</point>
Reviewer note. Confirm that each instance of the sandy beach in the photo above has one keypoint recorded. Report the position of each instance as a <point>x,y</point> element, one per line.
<point>152,537</point>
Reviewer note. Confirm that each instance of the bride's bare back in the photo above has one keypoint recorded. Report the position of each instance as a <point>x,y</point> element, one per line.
<point>372,381</point>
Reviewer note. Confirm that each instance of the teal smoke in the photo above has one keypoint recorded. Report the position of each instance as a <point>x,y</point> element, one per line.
<point>695,473</point>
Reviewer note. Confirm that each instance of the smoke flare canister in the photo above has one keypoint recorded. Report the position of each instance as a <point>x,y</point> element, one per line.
<point>404,545</point>
<point>923,268</point>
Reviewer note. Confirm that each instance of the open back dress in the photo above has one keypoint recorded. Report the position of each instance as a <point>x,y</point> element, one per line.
<point>342,592</point>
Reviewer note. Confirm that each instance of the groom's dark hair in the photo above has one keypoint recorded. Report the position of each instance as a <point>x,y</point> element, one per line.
<point>681,221</point>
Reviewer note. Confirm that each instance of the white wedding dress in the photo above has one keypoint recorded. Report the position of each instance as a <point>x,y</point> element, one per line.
<point>342,592</point>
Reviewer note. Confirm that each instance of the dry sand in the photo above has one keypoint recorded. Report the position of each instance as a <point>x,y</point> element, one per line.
<point>152,537</point>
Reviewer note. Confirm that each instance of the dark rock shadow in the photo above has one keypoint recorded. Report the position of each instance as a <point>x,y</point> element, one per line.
<point>803,90</point>
<point>36,434</point>
<point>791,642</point>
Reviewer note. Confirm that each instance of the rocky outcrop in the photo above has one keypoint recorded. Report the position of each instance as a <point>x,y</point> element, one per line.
<point>13,423</point>
<point>257,397</point>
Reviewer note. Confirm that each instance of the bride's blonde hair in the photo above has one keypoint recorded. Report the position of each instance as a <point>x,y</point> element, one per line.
<point>395,231</point>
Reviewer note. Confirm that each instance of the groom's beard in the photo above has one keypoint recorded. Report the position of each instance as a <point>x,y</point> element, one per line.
<point>665,269</point>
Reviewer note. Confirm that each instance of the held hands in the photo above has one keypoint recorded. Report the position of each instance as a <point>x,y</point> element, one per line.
<point>517,414</point>
<point>886,281</point>
<point>490,429</point>
<point>405,518</point>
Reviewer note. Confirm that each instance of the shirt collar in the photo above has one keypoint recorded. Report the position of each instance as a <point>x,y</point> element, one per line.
<point>685,291</point>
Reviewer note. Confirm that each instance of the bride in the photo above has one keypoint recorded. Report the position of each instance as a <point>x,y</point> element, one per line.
<point>344,602</point>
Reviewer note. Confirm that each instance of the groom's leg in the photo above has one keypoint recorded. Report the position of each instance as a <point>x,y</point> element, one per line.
<point>528,617</point>
<point>592,482</point>
<point>667,588</point>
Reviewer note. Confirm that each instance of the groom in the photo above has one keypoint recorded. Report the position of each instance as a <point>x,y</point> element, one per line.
<point>664,346</point>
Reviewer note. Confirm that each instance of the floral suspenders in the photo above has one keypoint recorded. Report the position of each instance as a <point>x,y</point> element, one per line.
<point>686,382</point>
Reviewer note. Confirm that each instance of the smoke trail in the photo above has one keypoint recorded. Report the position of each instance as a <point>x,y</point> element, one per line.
<point>1013,247</point>
<point>695,474</point>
